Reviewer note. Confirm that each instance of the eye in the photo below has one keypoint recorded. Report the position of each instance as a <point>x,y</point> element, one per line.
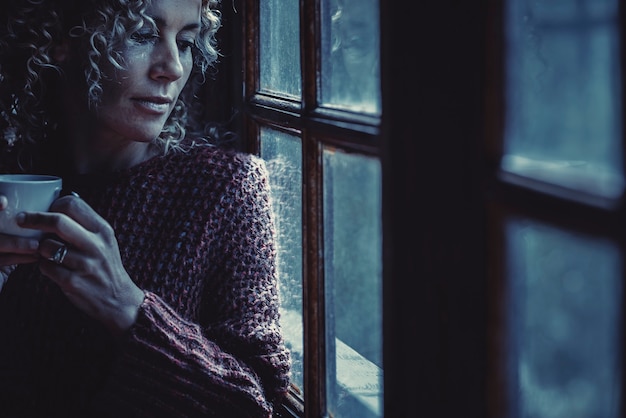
<point>144,37</point>
<point>185,45</point>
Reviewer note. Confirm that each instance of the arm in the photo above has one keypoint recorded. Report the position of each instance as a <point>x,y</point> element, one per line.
<point>235,364</point>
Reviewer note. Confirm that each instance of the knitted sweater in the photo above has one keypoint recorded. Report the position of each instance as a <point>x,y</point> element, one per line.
<point>196,233</point>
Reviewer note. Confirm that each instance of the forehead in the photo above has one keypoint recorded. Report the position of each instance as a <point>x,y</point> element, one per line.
<point>175,11</point>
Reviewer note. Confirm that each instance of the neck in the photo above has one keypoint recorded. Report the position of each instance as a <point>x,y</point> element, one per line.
<point>88,157</point>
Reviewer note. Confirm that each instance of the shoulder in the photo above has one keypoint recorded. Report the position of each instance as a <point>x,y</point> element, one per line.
<point>216,157</point>
<point>212,164</point>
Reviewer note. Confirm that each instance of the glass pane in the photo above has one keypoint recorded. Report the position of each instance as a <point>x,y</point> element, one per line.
<point>350,55</point>
<point>563,93</point>
<point>353,284</point>
<point>279,55</point>
<point>563,307</point>
<point>282,152</point>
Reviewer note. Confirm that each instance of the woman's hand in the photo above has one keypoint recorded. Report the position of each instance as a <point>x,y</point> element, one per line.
<point>14,250</point>
<point>91,273</point>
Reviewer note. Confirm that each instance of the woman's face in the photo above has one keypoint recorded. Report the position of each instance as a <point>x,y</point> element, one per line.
<point>158,63</point>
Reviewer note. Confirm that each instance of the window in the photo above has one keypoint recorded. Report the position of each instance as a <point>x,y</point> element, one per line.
<point>452,212</point>
<point>498,142</point>
<point>559,313</point>
<point>311,107</point>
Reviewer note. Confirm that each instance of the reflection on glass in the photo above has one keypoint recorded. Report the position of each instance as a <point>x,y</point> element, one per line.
<point>563,307</point>
<point>563,90</point>
<point>282,153</point>
<point>279,54</point>
<point>350,55</point>
<point>353,284</point>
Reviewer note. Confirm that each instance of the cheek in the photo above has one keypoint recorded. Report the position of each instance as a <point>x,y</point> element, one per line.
<point>138,54</point>
<point>187,70</point>
<point>187,64</point>
<point>111,92</point>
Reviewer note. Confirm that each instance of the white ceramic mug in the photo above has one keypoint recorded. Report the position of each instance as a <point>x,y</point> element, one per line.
<point>26,193</point>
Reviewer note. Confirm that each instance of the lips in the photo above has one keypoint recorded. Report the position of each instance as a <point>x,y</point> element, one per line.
<point>155,104</point>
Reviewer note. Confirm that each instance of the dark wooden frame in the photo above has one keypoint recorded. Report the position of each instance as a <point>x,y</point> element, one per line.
<point>317,127</point>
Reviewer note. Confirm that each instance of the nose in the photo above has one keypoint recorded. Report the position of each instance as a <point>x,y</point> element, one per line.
<point>167,64</point>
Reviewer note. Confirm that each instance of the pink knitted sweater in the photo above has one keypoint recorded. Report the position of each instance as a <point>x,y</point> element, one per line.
<point>195,232</point>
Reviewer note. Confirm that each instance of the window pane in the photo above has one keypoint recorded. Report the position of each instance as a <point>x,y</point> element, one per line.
<point>563,93</point>
<point>279,54</point>
<point>282,153</point>
<point>350,55</point>
<point>353,284</point>
<point>563,307</point>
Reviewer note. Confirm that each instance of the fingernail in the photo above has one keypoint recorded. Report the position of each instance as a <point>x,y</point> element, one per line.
<point>66,192</point>
<point>20,217</point>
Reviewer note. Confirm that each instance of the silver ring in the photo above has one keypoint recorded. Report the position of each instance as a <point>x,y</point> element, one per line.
<point>59,255</point>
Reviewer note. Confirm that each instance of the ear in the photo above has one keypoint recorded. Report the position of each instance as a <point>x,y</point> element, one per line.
<point>61,51</point>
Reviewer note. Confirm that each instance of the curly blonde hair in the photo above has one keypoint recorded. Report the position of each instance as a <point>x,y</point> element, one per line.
<point>31,31</point>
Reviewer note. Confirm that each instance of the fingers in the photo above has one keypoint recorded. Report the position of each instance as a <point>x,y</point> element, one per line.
<point>17,250</point>
<point>18,245</point>
<point>57,263</point>
<point>60,275</point>
<point>13,259</point>
<point>70,219</point>
<point>54,223</point>
<point>56,252</point>
<point>77,209</point>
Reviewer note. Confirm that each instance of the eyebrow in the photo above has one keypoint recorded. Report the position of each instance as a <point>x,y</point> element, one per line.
<point>189,27</point>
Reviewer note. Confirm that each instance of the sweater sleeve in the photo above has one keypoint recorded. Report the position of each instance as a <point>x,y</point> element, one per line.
<point>233,365</point>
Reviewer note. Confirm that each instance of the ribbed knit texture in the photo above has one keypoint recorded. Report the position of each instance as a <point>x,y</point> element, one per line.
<point>196,232</point>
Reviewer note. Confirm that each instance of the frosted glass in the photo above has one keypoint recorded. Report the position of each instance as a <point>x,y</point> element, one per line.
<point>563,93</point>
<point>353,284</point>
<point>283,155</point>
<point>563,304</point>
<point>350,55</point>
<point>279,54</point>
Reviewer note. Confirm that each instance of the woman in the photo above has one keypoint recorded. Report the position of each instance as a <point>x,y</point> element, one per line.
<point>153,291</point>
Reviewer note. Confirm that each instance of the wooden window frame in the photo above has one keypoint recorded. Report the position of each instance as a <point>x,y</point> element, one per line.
<point>430,141</point>
<point>354,133</point>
